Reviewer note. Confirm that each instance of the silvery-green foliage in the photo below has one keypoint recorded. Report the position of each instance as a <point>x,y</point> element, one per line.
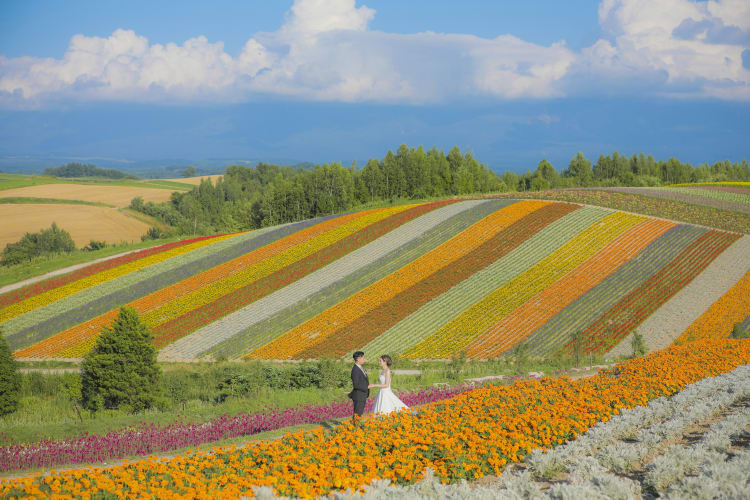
<point>589,472</point>
<point>716,479</point>
<point>720,436</point>
<point>430,488</point>
<point>617,488</point>
<point>545,464</point>
<point>585,470</point>
<point>565,491</point>
<point>520,485</point>
<point>663,418</point>
<point>621,457</point>
<point>676,462</point>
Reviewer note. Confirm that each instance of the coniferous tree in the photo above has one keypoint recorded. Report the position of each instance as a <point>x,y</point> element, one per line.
<point>121,370</point>
<point>10,379</point>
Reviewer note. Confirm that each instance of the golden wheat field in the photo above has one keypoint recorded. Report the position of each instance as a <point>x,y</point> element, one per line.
<point>119,196</point>
<point>195,180</point>
<point>83,222</point>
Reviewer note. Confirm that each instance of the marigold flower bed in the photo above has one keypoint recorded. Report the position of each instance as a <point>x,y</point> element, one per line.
<point>473,434</point>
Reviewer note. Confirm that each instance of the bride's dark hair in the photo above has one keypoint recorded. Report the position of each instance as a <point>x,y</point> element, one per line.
<point>387,359</point>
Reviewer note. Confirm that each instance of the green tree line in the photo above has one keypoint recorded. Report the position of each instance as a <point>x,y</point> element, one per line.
<point>265,195</point>
<point>619,170</point>
<point>86,170</point>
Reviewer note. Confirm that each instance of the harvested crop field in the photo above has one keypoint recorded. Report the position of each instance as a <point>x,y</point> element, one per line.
<point>119,196</point>
<point>196,180</point>
<point>83,222</point>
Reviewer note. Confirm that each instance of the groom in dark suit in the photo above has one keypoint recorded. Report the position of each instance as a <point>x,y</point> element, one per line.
<point>361,383</point>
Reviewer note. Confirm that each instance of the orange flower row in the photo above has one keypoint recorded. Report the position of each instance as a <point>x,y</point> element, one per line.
<point>473,434</point>
<point>719,319</point>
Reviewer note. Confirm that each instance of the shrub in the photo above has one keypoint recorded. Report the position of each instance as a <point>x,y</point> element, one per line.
<point>10,379</point>
<point>153,233</point>
<point>121,370</point>
<point>638,345</point>
<point>46,241</point>
<point>95,245</point>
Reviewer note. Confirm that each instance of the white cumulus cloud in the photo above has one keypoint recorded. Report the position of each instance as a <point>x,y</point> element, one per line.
<point>325,51</point>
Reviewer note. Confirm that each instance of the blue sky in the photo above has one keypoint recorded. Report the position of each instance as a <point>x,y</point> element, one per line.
<point>339,80</point>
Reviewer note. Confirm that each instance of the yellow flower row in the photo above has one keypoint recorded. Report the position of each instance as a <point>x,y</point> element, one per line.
<point>481,316</point>
<point>326,323</point>
<point>56,294</point>
<point>207,294</point>
<point>719,319</point>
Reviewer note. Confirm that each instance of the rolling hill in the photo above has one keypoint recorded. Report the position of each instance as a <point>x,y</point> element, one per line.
<point>426,280</point>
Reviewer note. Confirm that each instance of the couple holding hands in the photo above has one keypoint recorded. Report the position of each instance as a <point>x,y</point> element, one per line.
<point>386,401</point>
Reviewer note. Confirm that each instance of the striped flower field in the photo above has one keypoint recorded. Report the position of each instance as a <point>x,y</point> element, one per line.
<point>423,281</point>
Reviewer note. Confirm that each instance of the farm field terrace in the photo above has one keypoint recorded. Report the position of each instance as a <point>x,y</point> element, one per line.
<point>118,196</point>
<point>83,222</point>
<point>13,181</point>
<point>471,435</point>
<point>422,281</point>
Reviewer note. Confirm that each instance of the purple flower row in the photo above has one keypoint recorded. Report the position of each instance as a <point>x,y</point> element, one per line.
<point>147,439</point>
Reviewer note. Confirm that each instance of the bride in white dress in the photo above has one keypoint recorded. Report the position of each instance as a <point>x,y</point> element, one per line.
<point>386,401</point>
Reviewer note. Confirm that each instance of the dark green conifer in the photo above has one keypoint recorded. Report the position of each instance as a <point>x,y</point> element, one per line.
<point>121,370</point>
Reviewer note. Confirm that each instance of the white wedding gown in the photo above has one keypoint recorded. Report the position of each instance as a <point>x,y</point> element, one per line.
<point>386,401</point>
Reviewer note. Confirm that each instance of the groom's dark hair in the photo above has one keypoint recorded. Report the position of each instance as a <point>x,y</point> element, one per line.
<point>357,355</point>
